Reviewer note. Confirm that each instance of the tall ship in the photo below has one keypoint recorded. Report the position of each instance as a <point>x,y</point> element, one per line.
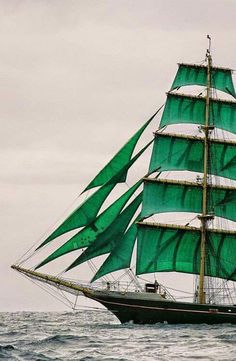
<point>178,217</point>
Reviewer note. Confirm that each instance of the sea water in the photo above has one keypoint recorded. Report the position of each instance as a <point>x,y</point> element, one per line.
<point>98,335</point>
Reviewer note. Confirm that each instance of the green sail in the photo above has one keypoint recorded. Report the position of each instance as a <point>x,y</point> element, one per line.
<point>163,249</point>
<point>221,258</point>
<point>191,74</point>
<point>120,159</point>
<point>161,196</point>
<point>88,211</point>
<point>186,153</point>
<point>106,241</point>
<point>88,234</point>
<point>83,214</point>
<point>121,254</point>
<point>188,109</point>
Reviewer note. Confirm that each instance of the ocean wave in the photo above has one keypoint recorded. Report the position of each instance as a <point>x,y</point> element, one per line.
<point>6,347</point>
<point>96,336</point>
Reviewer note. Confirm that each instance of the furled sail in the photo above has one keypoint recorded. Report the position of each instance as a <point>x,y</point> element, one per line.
<point>89,233</point>
<point>107,239</point>
<point>181,108</point>
<point>87,211</point>
<point>192,74</point>
<point>120,159</point>
<point>175,196</point>
<point>186,153</point>
<point>164,248</point>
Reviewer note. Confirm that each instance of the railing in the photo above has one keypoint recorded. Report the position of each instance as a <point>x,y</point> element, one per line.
<point>123,286</point>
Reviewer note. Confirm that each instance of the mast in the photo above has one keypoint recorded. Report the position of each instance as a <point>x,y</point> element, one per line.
<point>204,217</point>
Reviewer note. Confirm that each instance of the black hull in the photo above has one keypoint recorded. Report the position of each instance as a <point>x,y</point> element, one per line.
<point>151,312</point>
<point>142,307</point>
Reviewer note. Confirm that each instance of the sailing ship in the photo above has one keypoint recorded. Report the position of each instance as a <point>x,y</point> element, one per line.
<point>126,231</point>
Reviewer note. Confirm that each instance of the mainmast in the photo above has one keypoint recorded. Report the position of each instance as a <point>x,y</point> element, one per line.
<point>204,217</point>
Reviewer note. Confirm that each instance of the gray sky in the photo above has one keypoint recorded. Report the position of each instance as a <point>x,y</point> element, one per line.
<point>77,80</point>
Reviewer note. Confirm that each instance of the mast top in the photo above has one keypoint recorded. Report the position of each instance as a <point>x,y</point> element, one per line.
<point>208,52</point>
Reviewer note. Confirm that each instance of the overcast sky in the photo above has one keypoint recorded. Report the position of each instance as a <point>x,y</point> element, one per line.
<point>78,78</point>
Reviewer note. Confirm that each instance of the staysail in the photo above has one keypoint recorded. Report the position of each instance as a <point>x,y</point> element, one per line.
<point>88,234</point>
<point>120,159</point>
<point>106,241</point>
<point>87,212</point>
<point>120,255</point>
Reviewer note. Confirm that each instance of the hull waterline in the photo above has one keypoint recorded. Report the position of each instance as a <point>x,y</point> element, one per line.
<point>144,311</point>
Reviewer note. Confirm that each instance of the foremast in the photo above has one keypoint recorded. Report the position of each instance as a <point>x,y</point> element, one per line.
<point>204,217</point>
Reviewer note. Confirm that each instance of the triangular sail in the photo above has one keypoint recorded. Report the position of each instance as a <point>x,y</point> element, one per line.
<point>88,234</point>
<point>83,214</point>
<point>121,254</point>
<point>87,212</point>
<point>106,240</point>
<point>120,159</point>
